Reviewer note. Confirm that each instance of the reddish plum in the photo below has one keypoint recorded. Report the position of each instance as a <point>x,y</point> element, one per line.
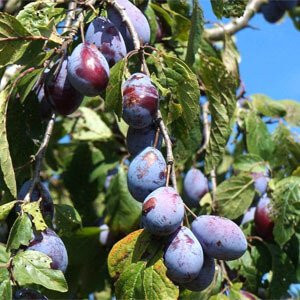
<point>260,182</point>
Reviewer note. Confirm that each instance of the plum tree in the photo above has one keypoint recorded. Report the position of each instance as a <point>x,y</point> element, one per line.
<point>88,70</point>
<point>140,101</point>
<point>49,243</point>
<point>137,19</point>
<point>260,182</point>
<point>272,11</point>
<point>139,139</point>
<point>60,93</point>
<point>262,218</point>
<point>28,294</point>
<point>205,276</point>
<point>220,237</point>
<point>195,186</point>
<point>146,173</point>
<point>162,211</point>
<point>109,41</point>
<point>183,256</point>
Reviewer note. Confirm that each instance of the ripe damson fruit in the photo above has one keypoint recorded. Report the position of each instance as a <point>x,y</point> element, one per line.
<point>183,256</point>
<point>140,101</point>
<point>49,243</point>
<point>260,182</point>
<point>220,237</point>
<point>262,218</point>
<point>204,278</point>
<point>109,41</point>
<point>60,93</point>
<point>272,11</point>
<point>248,215</point>
<point>28,294</point>
<point>137,19</point>
<point>287,4</point>
<point>195,186</point>
<point>162,211</point>
<point>88,70</point>
<point>146,173</point>
<point>139,139</point>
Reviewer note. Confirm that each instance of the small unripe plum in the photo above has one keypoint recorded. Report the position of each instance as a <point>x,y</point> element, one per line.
<point>260,182</point>
<point>163,211</point>
<point>195,186</point>
<point>183,256</point>
<point>248,215</point>
<point>262,219</point>
<point>220,237</point>
<point>60,93</point>
<point>146,173</point>
<point>272,11</point>
<point>49,243</point>
<point>109,41</point>
<point>287,4</point>
<point>140,101</point>
<point>138,20</point>
<point>28,294</point>
<point>204,278</point>
<point>88,70</point>
<point>139,139</point>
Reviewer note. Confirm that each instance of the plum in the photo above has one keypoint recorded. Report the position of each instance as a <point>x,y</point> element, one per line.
<point>272,11</point>
<point>195,186</point>
<point>248,215</point>
<point>26,293</point>
<point>205,276</point>
<point>88,70</point>
<point>287,4</point>
<point>49,243</point>
<point>162,211</point>
<point>140,101</point>
<point>109,41</point>
<point>260,182</point>
<point>59,92</point>
<point>105,236</point>
<point>139,139</point>
<point>146,173</point>
<point>39,191</point>
<point>183,256</point>
<point>262,218</point>
<point>220,237</point>
<point>138,20</point>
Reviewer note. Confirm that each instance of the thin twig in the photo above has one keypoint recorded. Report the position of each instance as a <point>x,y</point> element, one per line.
<point>206,125</point>
<point>24,38</point>
<point>213,179</point>
<point>190,211</point>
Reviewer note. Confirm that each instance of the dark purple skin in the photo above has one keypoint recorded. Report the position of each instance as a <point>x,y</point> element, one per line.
<point>162,211</point>
<point>183,256</point>
<point>137,19</point>
<point>195,186</point>
<point>220,237</point>
<point>146,173</point>
<point>287,4</point>
<point>40,191</point>
<point>204,278</point>
<point>60,93</point>
<point>49,243</point>
<point>140,101</point>
<point>28,294</point>
<point>139,139</point>
<point>272,11</point>
<point>109,41</point>
<point>88,70</point>
<point>260,182</point>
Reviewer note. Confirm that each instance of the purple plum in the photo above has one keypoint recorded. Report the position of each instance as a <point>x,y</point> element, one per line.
<point>59,92</point>
<point>220,237</point>
<point>162,211</point>
<point>109,41</point>
<point>105,236</point>
<point>287,4</point>
<point>88,70</point>
<point>140,101</point>
<point>146,173</point>
<point>260,182</point>
<point>248,215</point>
<point>183,256</point>
<point>272,11</point>
<point>139,139</point>
<point>28,294</point>
<point>204,278</point>
<point>195,186</point>
<point>49,243</point>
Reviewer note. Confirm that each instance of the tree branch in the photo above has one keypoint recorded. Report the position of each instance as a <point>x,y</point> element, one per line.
<point>24,38</point>
<point>217,34</point>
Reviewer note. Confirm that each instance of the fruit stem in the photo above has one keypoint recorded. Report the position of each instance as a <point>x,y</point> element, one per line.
<point>190,211</point>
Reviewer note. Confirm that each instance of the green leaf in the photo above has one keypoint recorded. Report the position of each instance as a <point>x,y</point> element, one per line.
<point>5,290</point>
<point>154,26</point>
<point>249,163</point>
<point>234,196</point>
<point>234,8</point>
<point>21,233</point>
<point>195,34</point>
<point>5,209</point>
<point>33,208</point>
<point>292,111</point>
<point>113,98</point>
<point>123,212</point>
<point>217,6</point>
<point>268,107</point>
<point>286,205</point>
<point>5,159</point>
<point>258,138</point>
<point>33,267</point>
<point>4,257</point>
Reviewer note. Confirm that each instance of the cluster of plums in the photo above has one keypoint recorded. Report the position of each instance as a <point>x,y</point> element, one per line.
<point>274,10</point>
<point>86,71</point>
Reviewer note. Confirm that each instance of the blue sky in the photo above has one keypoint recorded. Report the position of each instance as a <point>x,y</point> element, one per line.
<point>270,56</point>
